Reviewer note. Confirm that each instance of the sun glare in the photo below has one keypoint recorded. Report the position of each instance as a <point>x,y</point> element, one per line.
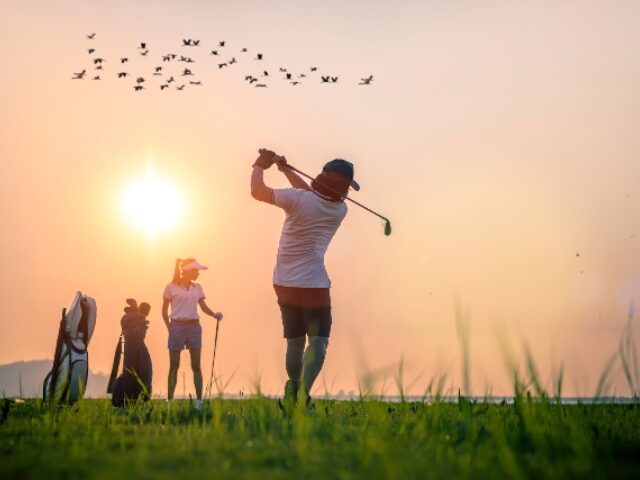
<point>152,204</point>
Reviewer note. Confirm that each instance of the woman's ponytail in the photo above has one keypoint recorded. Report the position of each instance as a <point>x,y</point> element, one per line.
<point>176,272</point>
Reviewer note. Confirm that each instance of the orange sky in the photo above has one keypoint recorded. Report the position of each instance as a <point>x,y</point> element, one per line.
<point>501,140</point>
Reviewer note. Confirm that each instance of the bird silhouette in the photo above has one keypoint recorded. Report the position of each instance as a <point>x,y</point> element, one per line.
<point>137,88</point>
<point>124,59</point>
<point>324,79</point>
<point>144,52</point>
<point>157,72</point>
<point>334,79</point>
<point>265,74</point>
<point>253,80</point>
<point>98,60</point>
<point>122,74</point>
<point>259,56</point>
<point>313,69</point>
<point>220,65</point>
<point>166,58</point>
<point>261,85</point>
<point>142,46</point>
<point>171,79</point>
<point>295,82</point>
<point>248,77</point>
<point>79,75</point>
<point>196,83</point>
<point>162,87</point>
<point>90,37</point>
<point>186,59</point>
<point>244,50</point>
<point>232,61</point>
<point>97,77</point>
<point>214,52</point>
<point>139,80</point>
<point>180,87</point>
<point>196,43</point>
<point>283,69</point>
<point>186,72</point>
<point>91,50</point>
<point>186,42</point>
<point>99,67</point>
<point>302,75</point>
<point>366,81</point>
<point>221,43</point>
<point>287,76</point>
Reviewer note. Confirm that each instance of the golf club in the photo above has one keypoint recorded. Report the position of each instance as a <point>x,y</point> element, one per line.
<point>213,362</point>
<point>387,225</point>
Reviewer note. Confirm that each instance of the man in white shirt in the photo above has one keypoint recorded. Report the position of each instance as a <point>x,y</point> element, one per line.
<point>313,214</point>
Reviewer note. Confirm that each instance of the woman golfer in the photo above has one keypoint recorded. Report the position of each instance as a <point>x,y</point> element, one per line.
<point>313,214</point>
<point>184,296</point>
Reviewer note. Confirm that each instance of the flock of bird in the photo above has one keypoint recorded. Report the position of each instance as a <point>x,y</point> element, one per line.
<point>184,75</point>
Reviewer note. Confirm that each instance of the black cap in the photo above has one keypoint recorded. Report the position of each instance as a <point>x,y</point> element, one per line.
<point>344,168</point>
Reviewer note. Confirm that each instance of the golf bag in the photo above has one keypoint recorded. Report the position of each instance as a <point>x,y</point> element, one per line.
<point>137,373</point>
<point>67,380</point>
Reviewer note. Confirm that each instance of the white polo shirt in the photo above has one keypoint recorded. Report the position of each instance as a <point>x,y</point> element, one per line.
<point>310,225</point>
<point>184,301</point>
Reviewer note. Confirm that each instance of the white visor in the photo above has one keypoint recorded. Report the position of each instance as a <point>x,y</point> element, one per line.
<point>194,266</point>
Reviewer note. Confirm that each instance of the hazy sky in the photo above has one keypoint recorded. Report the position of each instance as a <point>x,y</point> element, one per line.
<point>499,137</point>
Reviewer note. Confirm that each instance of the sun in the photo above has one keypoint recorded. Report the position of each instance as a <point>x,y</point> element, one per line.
<point>152,204</point>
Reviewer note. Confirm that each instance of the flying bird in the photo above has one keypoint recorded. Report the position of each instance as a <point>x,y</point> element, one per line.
<point>139,80</point>
<point>91,50</point>
<point>334,79</point>
<point>144,52</point>
<point>243,50</point>
<point>186,42</point>
<point>196,43</point>
<point>259,56</point>
<point>221,43</point>
<point>302,75</point>
<point>137,88</point>
<point>123,60</point>
<point>295,82</point>
<point>324,79</point>
<point>287,77</point>
<point>122,74</point>
<point>186,72</point>
<point>98,60</point>
<point>162,87</point>
<point>166,58</point>
<point>142,46</point>
<point>157,72</point>
<point>97,77</point>
<point>180,87</point>
<point>90,37</point>
<point>283,69</point>
<point>233,60</point>
<point>262,85</point>
<point>366,81</point>
<point>265,74</point>
<point>196,83</point>
<point>313,69</point>
<point>99,67</point>
<point>171,79</point>
<point>79,76</point>
<point>220,65</point>
<point>214,52</point>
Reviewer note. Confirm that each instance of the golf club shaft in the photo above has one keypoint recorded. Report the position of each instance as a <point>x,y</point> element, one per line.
<point>213,362</point>
<point>291,167</point>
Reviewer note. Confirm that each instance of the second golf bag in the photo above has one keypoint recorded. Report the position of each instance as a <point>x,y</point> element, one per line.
<point>67,380</point>
<point>137,373</point>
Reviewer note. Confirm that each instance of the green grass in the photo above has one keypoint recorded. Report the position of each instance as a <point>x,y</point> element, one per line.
<point>533,438</point>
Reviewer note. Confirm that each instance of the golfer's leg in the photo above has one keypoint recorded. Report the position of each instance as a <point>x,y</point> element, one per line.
<point>174,365</point>
<point>295,349</point>
<point>313,360</point>
<point>197,371</point>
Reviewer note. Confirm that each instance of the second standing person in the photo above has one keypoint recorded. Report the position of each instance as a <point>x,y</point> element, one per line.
<point>184,296</point>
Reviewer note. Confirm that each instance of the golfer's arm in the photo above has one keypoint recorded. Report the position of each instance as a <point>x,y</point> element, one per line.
<point>295,180</point>
<point>205,308</point>
<point>259,190</point>
<point>165,311</point>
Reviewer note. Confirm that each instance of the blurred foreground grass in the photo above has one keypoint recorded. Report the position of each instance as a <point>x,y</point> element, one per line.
<point>533,438</point>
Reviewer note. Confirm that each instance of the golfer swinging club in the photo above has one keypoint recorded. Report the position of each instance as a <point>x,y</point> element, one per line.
<point>313,215</point>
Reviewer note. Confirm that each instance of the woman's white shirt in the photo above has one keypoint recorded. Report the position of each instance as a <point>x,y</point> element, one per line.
<point>184,301</point>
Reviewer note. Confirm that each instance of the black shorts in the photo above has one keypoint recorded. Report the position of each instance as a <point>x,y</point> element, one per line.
<point>305,311</point>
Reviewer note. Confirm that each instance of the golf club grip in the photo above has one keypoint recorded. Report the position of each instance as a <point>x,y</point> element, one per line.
<point>346,198</point>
